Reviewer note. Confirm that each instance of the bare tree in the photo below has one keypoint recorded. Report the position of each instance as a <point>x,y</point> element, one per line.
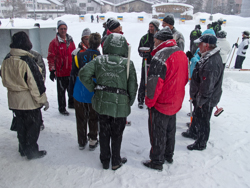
<point>16,8</point>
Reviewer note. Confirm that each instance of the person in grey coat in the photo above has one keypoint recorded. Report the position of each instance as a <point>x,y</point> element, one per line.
<point>205,90</point>
<point>178,37</point>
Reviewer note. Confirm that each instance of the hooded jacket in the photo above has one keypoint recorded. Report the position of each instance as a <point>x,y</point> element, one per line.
<point>167,77</point>
<point>107,34</point>
<point>23,79</point>
<point>114,92</point>
<point>59,55</point>
<point>206,81</point>
<point>225,48</point>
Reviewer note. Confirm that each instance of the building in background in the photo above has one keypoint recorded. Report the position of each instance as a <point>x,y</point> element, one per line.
<point>134,6</point>
<point>179,10</point>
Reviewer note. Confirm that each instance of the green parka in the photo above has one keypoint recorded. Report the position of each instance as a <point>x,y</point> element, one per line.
<point>114,93</point>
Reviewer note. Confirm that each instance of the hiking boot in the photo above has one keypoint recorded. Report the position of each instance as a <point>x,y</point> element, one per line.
<point>140,105</point>
<point>196,146</point>
<point>82,146</point>
<point>92,144</point>
<point>189,134</point>
<point>169,160</point>
<point>36,155</point>
<point>151,165</point>
<point>65,113</point>
<point>105,165</point>
<point>123,161</point>
<point>42,127</point>
<point>71,106</point>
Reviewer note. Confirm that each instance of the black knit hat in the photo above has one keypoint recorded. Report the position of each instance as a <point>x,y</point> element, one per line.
<point>169,19</point>
<point>112,24</point>
<point>246,33</point>
<point>21,40</point>
<point>164,34</point>
<point>198,26</point>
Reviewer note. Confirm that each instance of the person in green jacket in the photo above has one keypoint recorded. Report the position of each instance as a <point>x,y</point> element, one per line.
<point>115,92</point>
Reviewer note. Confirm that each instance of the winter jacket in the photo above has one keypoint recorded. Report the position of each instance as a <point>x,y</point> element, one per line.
<point>195,34</point>
<point>39,61</point>
<point>146,41</point>
<point>225,48</point>
<point>114,92</point>
<point>167,77</point>
<point>59,55</point>
<point>24,81</point>
<point>206,81</point>
<point>81,48</point>
<point>194,60</point>
<point>78,90</point>
<point>242,48</point>
<point>108,33</point>
<point>179,38</point>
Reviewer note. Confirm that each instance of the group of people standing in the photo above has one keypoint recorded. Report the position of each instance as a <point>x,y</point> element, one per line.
<point>102,88</point>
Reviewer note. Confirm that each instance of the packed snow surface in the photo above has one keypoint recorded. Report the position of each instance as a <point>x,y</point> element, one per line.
<point>225,162</point>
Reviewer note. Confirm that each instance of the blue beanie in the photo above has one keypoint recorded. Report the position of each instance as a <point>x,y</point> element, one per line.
<point>208,31</point>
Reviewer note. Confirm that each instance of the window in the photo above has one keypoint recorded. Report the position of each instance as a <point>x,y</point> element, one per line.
<point>73,1</point>
<point>82,4</point>
<point>89,1</point>
<point>90,8</point>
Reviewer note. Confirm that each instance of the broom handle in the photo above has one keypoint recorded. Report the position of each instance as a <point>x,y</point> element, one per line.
<point>233,54</point>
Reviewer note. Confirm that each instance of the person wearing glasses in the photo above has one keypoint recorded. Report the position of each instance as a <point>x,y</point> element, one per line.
<point>60,64</point>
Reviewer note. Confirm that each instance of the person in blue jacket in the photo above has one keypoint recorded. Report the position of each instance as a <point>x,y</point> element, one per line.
<point>82,97</point>
<point>194,58</point>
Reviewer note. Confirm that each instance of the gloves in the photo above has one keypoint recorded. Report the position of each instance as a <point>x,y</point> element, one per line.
<point>52,75</point>
<point>146,55</point>
<point>46,106</point>
<point>189,55</point>
<point>236,44</point>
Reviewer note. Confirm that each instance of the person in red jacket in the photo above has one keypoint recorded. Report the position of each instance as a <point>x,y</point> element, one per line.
<point>60,64</point>
<point>167,77</point>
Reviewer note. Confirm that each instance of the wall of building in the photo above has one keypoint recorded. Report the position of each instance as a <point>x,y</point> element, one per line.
<point>135,6</point>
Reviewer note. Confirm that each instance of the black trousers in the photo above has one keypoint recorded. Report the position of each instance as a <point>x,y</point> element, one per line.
<point>201,123</point>
<point>141,90</point>
<point>62,86</point>
<point>111,129</point>
<point>239,61</point>
<point>162,129</point>
<point>29,122</point>
<point>85,114</point>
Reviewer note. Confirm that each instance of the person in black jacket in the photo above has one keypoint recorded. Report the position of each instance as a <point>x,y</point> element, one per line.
<point>205,90</point>
<point>146,41</point>
<point>195,34</point>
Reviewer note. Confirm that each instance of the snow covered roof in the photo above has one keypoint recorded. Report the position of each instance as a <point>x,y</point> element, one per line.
<point>179,4</point>
<point>129,1</point>
<point>43,2</point>
<point>107,2</point>
<point>56,2</point>
<point>99,2</point>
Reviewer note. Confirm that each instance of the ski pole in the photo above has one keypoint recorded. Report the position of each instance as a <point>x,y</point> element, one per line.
<point>190,100</point>
<point>229,56</point>
<point>145,64</point>
<point>233,53</point>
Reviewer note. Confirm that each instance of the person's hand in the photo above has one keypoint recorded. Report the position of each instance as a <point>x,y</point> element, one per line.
<point>52,75</point>
<point>189,55</point>
<point>236,44</point>
<point>146,55</point>
<point>46,106</point>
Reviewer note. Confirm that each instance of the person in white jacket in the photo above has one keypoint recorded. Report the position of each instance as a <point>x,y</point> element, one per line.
<point>224,46</point>
<point>242,49</point>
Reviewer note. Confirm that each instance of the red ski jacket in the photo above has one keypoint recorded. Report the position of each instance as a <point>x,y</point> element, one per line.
<point>167,77</point>
<point>59,55</point>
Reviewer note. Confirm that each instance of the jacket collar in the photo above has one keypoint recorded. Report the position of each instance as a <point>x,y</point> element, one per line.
<point>20,52</point>
<point>168,43</point>
<point>208,54</point>
<point>109,32</point>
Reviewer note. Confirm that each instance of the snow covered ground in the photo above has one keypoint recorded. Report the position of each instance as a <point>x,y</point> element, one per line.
<point>224,163</point>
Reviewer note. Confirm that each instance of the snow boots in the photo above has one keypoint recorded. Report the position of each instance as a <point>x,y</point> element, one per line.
<point>36,155</point>
<point>92,144</point>
<point>151,165</point>
<point>189,134</point>
<point>123,161</point>
<point>196,146</point>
